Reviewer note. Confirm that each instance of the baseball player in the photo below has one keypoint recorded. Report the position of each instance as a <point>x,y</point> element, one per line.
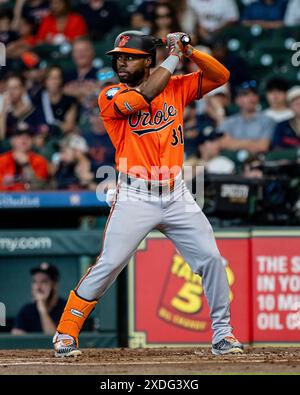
<point>143,116</point>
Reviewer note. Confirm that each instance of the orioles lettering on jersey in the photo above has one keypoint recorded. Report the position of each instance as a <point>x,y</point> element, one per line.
<point>142,122</point>
<point>147,134</point>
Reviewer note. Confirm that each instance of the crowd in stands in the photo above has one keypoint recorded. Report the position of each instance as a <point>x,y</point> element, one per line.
<point>51,135</point>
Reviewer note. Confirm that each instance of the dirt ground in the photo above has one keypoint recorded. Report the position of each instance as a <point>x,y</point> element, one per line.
<point>172,361</point>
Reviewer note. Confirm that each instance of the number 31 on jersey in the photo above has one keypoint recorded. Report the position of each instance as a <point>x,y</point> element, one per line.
<point>177,136</point>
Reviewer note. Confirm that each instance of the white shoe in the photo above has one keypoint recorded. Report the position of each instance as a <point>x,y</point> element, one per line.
<point>65,346</point>
<point>228,345</point>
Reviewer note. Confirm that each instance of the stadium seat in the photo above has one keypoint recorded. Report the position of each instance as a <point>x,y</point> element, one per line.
<point>47,51</point>
<point>287,154</point>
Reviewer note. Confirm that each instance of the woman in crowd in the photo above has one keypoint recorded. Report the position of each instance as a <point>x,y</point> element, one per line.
<point>56,108</point>
<point>143,16</point>
<point>165,20</point>
<point>72,166</point>
<point>15,106</point>
<point>61,25</point>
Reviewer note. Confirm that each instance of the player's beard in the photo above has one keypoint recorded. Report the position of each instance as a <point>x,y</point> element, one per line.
<point>134,78</point>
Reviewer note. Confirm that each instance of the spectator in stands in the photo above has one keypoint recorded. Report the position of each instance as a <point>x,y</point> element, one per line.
<point>214,109</point>
<point>22,169</point>
<point>216,104</point>
<point>165,20</point>
<point>15,106</point>
<point>239,70</point>
<point>73,166</point>
<point>186,16</point>
<point>143,16</point>
<point>43,314</point>
<point>214,16</point>
<point>268,14</point>
<point>26,40</point>
<point>292,15</point>
<point>7,34</point>
<point>56,108</point>
<point>62,25</point>
<point>191,133</point>
<point>209,148</point>
<point>101,16</point>
<point>278,110</point>
<point>198,127</point>
<point>249,129</point>
<point>287,133</point>
<point>35,10</point>
<point>15,103</point>
<point>82,82</point>
<point>100,148</point>
<point>106,76</point>
<point>33,73</point>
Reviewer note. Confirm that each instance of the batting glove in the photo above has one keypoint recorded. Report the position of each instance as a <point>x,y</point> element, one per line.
<point>175,44</point>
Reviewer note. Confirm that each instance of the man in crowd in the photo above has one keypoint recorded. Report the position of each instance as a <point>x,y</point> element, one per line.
<point>287,133</point>
<point>278,110</point>
<point>81,82</point>
<point>101,16</point>
<point>268,14</point>
<point>248,130</point>
<point>42,315</point>
<point>214,16</point>
<point>21,168</point>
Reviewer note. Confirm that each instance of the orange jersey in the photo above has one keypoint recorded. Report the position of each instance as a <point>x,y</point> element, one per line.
<point>151,137</point>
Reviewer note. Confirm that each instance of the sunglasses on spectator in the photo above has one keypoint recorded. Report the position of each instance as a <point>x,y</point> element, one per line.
<point>248,85</point>
<point>163,16</point>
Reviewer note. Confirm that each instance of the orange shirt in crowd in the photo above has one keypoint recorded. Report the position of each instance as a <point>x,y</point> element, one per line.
<point>75,27</point>
<point>8,171</point>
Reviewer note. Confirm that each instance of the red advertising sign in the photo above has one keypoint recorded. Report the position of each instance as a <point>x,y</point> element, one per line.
<point>276,287</point>
<point>167,302</point>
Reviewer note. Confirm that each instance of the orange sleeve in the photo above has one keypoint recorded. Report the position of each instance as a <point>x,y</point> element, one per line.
<point>189,86</point>
<point>214,73</point>
<point>119,102</point>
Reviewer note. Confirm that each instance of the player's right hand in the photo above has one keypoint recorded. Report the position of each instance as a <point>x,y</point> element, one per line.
<point>174,44</point>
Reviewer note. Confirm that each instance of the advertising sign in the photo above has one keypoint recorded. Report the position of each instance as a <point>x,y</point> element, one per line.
<point>166,299</point>
<point>276,286</point>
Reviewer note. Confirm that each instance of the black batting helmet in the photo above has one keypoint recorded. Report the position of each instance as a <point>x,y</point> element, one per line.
<point>135,42</point>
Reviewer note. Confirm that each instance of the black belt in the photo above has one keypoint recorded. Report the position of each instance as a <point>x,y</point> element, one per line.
<point>131,180</point>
